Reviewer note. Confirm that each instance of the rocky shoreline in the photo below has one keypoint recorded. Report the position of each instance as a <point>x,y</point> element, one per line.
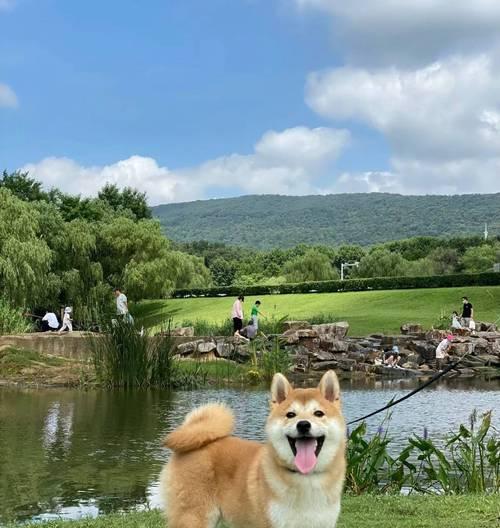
<point>316,348</point>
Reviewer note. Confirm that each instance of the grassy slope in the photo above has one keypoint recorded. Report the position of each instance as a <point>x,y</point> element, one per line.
<point>359,512</point>
<point>367,312</point>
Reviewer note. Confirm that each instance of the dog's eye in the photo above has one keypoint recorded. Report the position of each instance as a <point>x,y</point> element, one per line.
<point>319,414</point>
<point>290,415</point>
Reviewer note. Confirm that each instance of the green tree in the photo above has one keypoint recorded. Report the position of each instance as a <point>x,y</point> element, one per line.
<point>444,260</point>
<point>312,266</point>
<point>223,271</point>
<point>482,258</point>
<point>22,186</point>
<point>25,258</point>
<point>382,263</point>
<point>126,199</point>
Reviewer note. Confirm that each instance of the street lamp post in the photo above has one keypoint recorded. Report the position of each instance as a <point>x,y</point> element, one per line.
<point>345,265</point>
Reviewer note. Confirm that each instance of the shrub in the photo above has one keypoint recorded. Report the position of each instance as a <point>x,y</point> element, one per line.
<point>377,283</point>
<point>12,321</point>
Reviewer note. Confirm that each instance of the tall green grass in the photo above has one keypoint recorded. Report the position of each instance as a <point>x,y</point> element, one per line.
<point>469,462</point>
<point>12,321</point>
<point>123,356</point>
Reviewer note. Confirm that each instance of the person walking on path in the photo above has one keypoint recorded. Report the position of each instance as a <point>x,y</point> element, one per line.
<point>67,323</point>
<point>256,312</point>
<point>442,351</point>
<point>467,312</point>
<point>122,306</point>
<point>237,313</point>
<point>50,323</point>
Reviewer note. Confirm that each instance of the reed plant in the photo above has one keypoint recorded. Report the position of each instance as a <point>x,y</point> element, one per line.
<point>468,462</point>
<point>125,356</point>
<point>12,321</point>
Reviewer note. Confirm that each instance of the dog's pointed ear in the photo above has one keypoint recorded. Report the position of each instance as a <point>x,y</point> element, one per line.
<point>280,388</point>
<point>329,386</point>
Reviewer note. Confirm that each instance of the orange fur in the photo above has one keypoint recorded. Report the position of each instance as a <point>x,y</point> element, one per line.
<point>212,475</point>
<point>201,426</point>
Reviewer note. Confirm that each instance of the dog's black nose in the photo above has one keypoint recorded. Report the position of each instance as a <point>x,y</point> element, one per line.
<point>303,427</point>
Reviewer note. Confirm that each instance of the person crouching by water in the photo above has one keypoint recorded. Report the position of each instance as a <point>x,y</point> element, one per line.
<point>50,323</point>
<point>442,351</point>
<point>237,313</point>
<point>67,323</point>
<point>248,333</point>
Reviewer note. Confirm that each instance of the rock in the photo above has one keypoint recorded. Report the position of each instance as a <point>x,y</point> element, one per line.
<point>436,335</point>
<point>466,372</point>
<point>187,331</point>
<point>410,365</point>
<point>411,328</point>
<point>306,333</point>
<point>188,348</point>
<point>347,364</point>
<point>322,355</point>
<point>291,337</point>
<point>296,325</point>
<point>241,353</point>
<point>486,327</point>
<point>338,330</point>
<point>206,346</point>
<point>224,349</point>
<point>425,349</point>
<point>325,365</point>
<point>330,342</point>
<point>359,357</point>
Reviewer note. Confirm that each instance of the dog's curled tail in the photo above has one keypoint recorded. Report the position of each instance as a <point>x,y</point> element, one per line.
<point>201,427</point>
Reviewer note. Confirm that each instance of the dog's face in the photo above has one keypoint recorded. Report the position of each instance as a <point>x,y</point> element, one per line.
<point>306,428</point>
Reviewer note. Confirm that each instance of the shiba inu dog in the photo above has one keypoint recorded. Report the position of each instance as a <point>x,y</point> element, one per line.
<point>294,480</point>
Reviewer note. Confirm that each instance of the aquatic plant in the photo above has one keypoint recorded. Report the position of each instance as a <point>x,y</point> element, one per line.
<point>469,461</point>
<point>124,356</point>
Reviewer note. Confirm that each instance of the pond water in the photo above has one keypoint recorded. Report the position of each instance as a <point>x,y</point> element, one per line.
<point>70,453</point>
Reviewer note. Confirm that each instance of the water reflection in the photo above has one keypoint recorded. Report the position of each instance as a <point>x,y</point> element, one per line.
<point>71,453</point>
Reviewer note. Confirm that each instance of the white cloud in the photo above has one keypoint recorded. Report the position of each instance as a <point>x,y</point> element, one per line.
<point>409,31</point>
<point>8,98</point>
<point>287,162</point>
<point>446,110</point>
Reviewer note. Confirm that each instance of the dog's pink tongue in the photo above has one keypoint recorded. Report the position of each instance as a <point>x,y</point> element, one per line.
<point>305,459</point>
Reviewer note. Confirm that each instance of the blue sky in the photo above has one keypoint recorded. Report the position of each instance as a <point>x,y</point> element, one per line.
<point>176,97</point>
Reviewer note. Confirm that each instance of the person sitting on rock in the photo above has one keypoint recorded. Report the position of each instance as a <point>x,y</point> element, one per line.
<point>455,321</point>
<point>248,333</point>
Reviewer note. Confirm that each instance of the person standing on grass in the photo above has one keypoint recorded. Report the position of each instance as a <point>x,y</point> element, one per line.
<point>256,313</point>
<point>442,351</point>
<point>237,313</point>
<point>467,312</point>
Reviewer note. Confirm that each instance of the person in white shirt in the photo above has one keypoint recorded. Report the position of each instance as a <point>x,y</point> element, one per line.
<point>67,323</point>
<point>442,351</point>
<point>50,323</point>
<point>122,306</point>
<point>455,322</point>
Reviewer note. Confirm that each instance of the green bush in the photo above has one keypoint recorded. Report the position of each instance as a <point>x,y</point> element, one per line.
<point>12,321</point>
<point>377,283</point>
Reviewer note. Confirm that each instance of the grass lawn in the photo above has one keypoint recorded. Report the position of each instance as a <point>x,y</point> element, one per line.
<point>367,312</point>
<point>358,512</point>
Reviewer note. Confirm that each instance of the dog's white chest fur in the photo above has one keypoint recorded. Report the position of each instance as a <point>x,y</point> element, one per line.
<point>306,506</point>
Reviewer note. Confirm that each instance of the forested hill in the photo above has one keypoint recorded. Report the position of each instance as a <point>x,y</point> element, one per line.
<point>268,221</point>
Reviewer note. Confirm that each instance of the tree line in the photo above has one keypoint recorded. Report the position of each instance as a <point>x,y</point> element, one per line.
<point>418,256</point>
<point>58,249</point>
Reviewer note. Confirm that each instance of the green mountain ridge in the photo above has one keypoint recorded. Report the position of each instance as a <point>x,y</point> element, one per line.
<point>267,221</point>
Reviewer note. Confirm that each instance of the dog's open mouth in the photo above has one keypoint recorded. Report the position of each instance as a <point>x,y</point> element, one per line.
<point>306,450</point>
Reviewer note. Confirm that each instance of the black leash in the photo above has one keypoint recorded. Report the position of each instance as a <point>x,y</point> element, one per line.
<point>412,393</point>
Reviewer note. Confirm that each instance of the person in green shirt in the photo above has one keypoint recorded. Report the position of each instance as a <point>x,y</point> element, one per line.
<point>256,312</point>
